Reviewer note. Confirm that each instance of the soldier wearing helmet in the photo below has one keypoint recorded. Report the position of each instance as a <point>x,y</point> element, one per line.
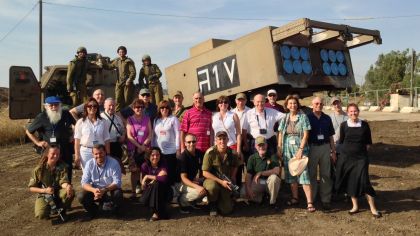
<point>76,77</point>
<point>149,78</point>
<point>124,87</point>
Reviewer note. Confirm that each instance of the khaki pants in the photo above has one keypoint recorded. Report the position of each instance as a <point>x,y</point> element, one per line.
<point>156,92</point>
<point>272,187</point>
<point>220,195</point>
<point>124,95</point>
<point>42,209</point>
<point>186,194</point>
<point>320,155</point>
<point>80,95</point>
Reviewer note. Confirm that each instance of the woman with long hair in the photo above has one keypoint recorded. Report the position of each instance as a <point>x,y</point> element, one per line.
<point>90,130</point>
<point>50,180</point>
<point>166,137</point>
<point>155,184</point>
<point>352,176</point>
<point>293,142</point>
<point>139,135</point>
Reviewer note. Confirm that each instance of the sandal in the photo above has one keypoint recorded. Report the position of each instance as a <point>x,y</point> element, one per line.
<point>293,202</point>
<point>311,208</point>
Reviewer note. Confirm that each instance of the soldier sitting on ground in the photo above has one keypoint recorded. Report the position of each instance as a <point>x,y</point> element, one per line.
<point>50,180</point>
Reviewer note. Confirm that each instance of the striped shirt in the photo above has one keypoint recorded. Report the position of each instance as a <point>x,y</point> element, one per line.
<point>198,122</point>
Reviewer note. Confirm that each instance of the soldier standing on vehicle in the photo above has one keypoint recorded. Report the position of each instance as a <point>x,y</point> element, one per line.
<point>149,78</point>
<point>124,86</point>
<point>76,77</point>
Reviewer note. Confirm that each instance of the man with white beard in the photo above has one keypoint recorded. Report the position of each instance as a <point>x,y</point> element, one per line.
<point>54,126</point>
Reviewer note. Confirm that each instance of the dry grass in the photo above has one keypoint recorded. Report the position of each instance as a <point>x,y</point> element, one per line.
<point>11,131</point>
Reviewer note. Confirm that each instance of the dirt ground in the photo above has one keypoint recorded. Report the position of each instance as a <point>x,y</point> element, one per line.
<point>394,171</point>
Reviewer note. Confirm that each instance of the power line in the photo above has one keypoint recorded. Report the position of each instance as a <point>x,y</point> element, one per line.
<point>17,24</point>
<point>226,18</point>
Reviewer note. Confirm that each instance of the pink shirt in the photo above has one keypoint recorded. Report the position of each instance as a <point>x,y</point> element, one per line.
<point>198,122</point>
<point>139,130</point>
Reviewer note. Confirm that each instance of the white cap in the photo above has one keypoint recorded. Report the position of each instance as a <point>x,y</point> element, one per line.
<point>271,91</point>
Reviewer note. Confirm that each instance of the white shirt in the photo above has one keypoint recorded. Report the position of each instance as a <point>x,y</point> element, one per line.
<point>259,121</point>
<point>117,123</point>
<point>89,133</point>
<point>166,134</point>
<point>242,117</point>
<point>227,124</point>
<point>350,123</point>
<point>337,120</point>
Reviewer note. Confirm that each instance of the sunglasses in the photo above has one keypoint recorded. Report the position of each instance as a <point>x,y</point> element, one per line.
<point>91,106</point>
<point>139,107</point>
<point>189,142</point>
<point>164,108</point>
<point>146,95</point>
<point>223,102</point>
<point>272,95</point>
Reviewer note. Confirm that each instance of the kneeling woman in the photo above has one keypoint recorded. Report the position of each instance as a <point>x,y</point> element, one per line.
<point>155,184</point>
<point>50,179</point>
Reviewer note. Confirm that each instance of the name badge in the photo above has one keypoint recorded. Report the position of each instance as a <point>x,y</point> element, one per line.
<point>163,133</point>
<point>140,133</point>
<point>292,142</point>
<point>95,142</point>
<point>262,181</point>
<point>320,137</point>
<point>208,132</point>
<point>53,140</point>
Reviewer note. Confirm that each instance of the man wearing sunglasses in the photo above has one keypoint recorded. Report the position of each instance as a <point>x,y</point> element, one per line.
<point>54,126</point>
<point>272,101</point>
<point>150,109</point>
<point>190,189</point>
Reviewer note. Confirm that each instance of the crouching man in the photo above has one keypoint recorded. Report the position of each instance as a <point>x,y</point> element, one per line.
<point>50,180</point>
<point>263,173</point>
<point>190,188</point>
<point>101,182</point>
<point>219,160</point>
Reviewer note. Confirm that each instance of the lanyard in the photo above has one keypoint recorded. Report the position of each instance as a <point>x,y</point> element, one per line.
<point>99,169</point>
<point>94,127</point>
<point>265,119</point>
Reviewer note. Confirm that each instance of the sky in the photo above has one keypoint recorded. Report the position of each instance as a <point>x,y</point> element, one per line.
<point>103,25</point>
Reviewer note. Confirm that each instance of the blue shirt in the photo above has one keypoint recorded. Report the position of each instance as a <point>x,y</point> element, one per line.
<point>101,177</point>
<point>320,128</point>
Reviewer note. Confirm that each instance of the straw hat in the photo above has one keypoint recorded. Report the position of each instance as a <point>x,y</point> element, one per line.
<point>297,166</point>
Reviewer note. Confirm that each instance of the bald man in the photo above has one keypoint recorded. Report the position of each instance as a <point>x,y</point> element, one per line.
<point>98,95</point>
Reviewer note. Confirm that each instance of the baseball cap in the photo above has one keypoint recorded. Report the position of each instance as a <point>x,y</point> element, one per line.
<point>144,91</point>
<point>52,100</point>
<point>271,91</point>
<point>333,99</point>
<point>221,133</point>
<point>178,93</point>
<point>260,140</point>
<point>241,96</point>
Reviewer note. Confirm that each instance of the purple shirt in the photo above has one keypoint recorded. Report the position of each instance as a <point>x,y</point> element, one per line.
<point>198,122</point>
<point>139,130</point>
<point>147,169</point>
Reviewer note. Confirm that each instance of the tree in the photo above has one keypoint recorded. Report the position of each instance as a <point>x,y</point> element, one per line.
<point>389,69</point>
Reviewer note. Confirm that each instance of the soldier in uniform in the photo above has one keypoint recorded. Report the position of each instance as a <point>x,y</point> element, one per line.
<point>124,87</point>
<point>149,78</point>
<point>76,77</point>
<point>50,178</point>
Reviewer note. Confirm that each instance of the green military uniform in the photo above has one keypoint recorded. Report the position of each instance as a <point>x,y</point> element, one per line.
<point>76,80</point>
<point>213,161</point>
<point>42,175</point>
<point>124,94</point>
<point>151,75</point>
<point>179,114</point>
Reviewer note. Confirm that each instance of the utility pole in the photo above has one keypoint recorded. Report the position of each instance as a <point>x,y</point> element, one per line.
<point>413,66</point>
<point>40,39</point>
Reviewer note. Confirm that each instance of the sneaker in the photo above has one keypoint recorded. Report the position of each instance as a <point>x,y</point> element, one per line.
<point>138,189</point>
<point>107,206</point>
<point>184,210</point>
<point>205,200</point>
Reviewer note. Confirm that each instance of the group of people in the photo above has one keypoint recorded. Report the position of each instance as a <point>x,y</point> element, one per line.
<point>198,156</point>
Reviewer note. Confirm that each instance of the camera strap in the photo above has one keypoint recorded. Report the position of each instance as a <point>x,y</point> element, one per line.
<point>265,119</point>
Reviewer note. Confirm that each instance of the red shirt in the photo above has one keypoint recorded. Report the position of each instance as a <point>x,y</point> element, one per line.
<point>198,122</point>
<point>275,107</point>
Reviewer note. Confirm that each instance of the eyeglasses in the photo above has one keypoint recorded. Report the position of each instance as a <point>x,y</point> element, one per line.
<point>91,106</point>
<point>223,102</point>
<point>272,95</point>
<point>54,104</point>
<point>164,108</point>
<point>139,107</point>
<point>146,95</point>
<point>191,142</point>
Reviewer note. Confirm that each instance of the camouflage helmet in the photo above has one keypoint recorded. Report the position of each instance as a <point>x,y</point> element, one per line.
<point>81,49</point>
<point>146,57</point>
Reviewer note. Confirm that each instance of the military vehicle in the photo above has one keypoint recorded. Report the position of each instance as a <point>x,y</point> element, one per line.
<point>26,93</point>
<point>303,56</point>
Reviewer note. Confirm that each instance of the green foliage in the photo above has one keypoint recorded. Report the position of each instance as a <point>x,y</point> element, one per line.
<point>390,68</point>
